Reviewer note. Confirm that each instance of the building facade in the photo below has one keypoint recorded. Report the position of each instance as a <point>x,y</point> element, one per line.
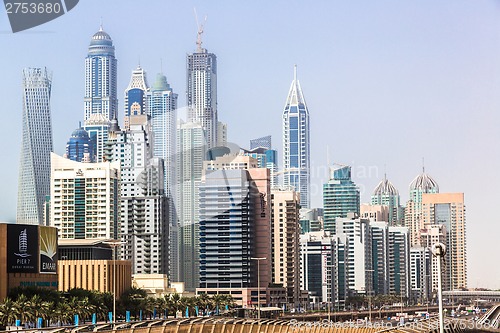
<point>162,109</point>
<point>79,146</point>
<point>36,146</point>
<point>423,183</point>
<point>285,243</point>
<point>201,93</point>
<point>386,194</point>
<point>144,206</point>
<point>101,78</point>
<point>319,268</point>
<point>191,151</point>
<point>296,142</point>
<point>89,264</point>
<point>85,199</point>
<point>135,96</point>
<point>340,197</point>
<point>448,209</point>
<point>399,262</point>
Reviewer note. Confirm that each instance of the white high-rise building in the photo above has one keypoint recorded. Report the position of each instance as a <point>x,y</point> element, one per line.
<point>161,106</point>
<point>36,146</point>
<point>358,253</point>
<point>296,150</point>
<point>144,211</point>
<point>101,77</point>
<point>319,267</point>
<point>85,199</point>
<point>191,151</point>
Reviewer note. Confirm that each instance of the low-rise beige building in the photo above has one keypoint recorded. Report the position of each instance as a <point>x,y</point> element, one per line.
<point>89,264</point>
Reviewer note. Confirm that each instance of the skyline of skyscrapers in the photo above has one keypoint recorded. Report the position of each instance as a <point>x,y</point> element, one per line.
<point>149,139</point>
<point>296,143</point>
<point>36,146</point>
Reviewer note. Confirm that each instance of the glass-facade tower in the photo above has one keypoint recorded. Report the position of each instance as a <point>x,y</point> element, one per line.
<point>340,196</point>
<point>201,93</point>
<point>100,77</point>
<point>296,150</point>
<point>36,146</point>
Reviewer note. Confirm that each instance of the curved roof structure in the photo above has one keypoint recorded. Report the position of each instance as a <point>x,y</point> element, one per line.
<point>424,183</point>
<point>385,187</point>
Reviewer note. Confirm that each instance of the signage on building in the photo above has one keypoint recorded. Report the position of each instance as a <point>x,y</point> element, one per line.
<point>48,250</point>
<point>22,248</point>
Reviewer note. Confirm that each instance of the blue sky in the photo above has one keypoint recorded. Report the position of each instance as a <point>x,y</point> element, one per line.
<point>387,83</point>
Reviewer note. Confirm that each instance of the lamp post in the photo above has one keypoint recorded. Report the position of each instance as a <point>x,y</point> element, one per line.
<point>258,282</point>
<point>439,250</point>
<point>114,243</point>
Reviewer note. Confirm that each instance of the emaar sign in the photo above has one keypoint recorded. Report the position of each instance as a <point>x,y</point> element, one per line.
<point>27,14</point>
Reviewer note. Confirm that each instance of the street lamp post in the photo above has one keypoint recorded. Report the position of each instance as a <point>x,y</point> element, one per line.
<point>114,244</point>
<point>258,282</point>
<point>439,250</point>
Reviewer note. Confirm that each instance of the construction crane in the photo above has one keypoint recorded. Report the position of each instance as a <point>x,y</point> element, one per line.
<point>200,31</point>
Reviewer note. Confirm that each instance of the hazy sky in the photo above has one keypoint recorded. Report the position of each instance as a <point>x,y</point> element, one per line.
<point>387,84</point>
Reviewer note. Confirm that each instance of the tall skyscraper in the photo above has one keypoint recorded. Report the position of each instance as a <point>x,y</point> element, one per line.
<point>234,228</point>
<point>162,108</point>
<point>423,183</point>
<point>36,146</point>
<point>85,199</point>
<point>448,209</point>
<point>386,194</point>
<point>319,267</point>
<point>144,211</point>
<point>161,105</point>
<point>340,196</point>
<point>191,151</point>
<point>101,77</point>
<point>296,150</point>
<point>285,243</point>
<point>201,92</point>
<point>358,254</point>
<point>135,95</point>
<point>399,261</point>
<point>79,146</point>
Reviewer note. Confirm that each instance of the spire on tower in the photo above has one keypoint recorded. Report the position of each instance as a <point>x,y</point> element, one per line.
<point>100,25</point>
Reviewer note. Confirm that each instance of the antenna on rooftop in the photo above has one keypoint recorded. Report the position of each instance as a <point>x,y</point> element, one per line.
<point>199,49</point>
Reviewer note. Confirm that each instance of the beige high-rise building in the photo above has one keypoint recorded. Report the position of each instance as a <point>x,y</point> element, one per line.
<point>285,242</point>
<point>448,209</point>
<point>374,212</point>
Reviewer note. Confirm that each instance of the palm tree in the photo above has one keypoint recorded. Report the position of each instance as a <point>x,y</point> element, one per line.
<point>7,312</point>
<point>174,303</point>
<point>204,302</point>
<point>21,308</point>
<point>161,305</point>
